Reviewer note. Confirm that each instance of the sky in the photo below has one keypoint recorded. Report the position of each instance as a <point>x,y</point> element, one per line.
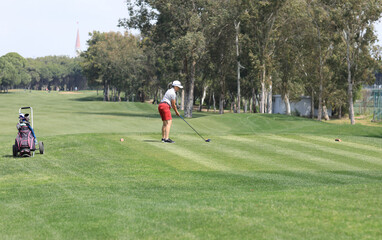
<point>37,28</point>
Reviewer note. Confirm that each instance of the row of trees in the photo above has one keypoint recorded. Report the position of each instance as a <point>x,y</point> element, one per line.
<point>233,51</point>
<point>243,51</point>
<point>117,63</point>
<point>49,72</point>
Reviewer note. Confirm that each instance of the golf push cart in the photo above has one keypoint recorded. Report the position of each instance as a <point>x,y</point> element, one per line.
<point>25,142</point>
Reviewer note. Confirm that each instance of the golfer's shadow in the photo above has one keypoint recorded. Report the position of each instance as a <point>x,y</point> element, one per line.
<point>152,141</point>
<point>8,156</point>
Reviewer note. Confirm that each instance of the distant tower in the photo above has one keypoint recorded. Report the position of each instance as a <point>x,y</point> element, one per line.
<point>78,44</point>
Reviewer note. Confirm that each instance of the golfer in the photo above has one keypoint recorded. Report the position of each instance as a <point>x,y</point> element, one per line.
<point>164,108</point>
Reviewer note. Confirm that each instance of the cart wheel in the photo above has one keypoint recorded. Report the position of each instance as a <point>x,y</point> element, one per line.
<point>14,150</point>
<point>41,147</point>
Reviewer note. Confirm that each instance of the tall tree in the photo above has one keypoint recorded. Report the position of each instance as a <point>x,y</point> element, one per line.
<point>114,59</point>
<point>320,19</point>
<point>13,70</point>
<point>354,20</point>
<point>291,39</point>
<point>176,25</point>
<point>221,45</point>
<point>258,23</point>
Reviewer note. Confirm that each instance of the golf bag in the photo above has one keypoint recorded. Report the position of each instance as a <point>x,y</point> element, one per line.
<point>25,142</point>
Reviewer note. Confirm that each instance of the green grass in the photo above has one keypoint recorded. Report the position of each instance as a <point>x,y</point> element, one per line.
<point>261,176</point>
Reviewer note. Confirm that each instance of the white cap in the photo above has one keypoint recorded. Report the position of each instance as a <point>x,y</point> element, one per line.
<point>176,83</point>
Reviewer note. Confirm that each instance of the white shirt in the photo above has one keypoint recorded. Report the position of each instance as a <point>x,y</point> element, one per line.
<point>169,95</point>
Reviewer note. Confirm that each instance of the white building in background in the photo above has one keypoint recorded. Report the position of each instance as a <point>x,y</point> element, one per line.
<point>78,43</point>
<point>302,107</point>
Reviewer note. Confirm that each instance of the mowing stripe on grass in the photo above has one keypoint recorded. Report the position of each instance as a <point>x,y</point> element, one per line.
<point>72,193</point>
<point>359,159</point>
<point>260,157</point>
<point>202,159</point>
<point>349,144</point>
<point>163,156</point>
<point>347,153</point>
<point>232,152</point>
<point>311,174</point>
<point>185,153</point>
<point>324,163</point>
<point>335,155</point>
<point>92,186</point>
<point>282,175</point>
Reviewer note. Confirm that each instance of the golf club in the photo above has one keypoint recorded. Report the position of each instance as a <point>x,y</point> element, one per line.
<point>206,140</point>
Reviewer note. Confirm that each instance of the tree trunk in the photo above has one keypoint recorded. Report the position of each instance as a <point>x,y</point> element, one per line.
<point>262,103</point>
<point>187,83</point>
<point>233,104</point>
<point>266,100</point>
<point>340,112</point>
<point>270,96</point>
<point>221,104</point>
<point>253,105</point>
<point>106,92</point>
<point>222,94</point>
<point>257,101</point>
<point>237,27</point>
<point>319,114</point>
<point>209,102</point>
<point>350,84</point>
<point>114,94</point>
<point>203,97</point>
<point>326,115</point>
<point>245,105</point>
<point>238,89</point>
<point>312,105</point>
<point>287,104</point>
<point>182,103</point>
<point>155,100</point>
<point>213,97</point>
<point>119,96</point>
<point>190,95</point>
<point>142,96</point>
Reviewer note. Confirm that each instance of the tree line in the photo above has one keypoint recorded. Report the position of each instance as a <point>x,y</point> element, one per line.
<point>230,54</point>
<point>50,72</point>
<point>241,52</point>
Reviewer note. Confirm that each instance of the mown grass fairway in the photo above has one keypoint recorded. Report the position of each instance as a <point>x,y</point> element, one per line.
<point>261,176</point>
